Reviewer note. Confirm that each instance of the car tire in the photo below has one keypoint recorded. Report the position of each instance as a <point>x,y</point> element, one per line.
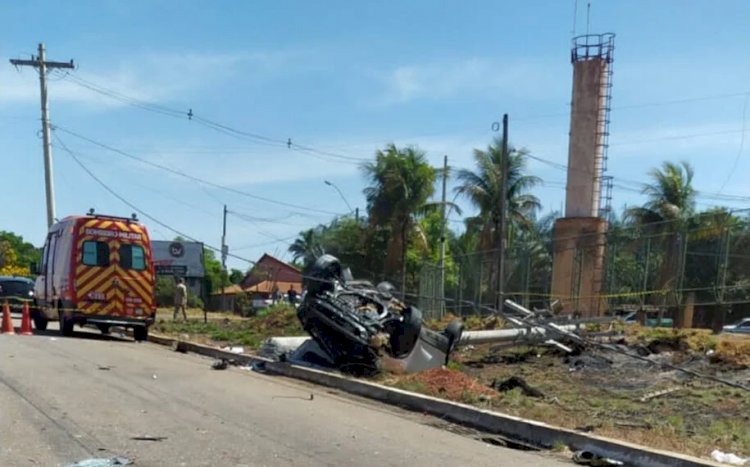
<point>66,325</point>
<point>140,333</point>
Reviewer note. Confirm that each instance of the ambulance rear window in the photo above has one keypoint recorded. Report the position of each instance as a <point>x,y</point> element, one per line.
<point>132,257</point>
<point>95,253</point>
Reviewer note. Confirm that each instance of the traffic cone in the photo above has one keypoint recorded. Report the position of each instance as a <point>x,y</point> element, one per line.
<point>7,320</point>
<point>26,321</point>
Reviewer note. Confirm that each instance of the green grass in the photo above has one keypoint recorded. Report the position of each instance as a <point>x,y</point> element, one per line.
<point>251,332</point>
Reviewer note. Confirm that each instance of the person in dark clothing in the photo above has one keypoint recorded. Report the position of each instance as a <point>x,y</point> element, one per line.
<point>292,295</point>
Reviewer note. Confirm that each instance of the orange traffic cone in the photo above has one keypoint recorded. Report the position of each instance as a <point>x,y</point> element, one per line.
<point>7,320</point>
<point>26,321</point>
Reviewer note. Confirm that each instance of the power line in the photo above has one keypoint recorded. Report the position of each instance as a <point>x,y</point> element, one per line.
<point>222,128</point>
<point>742,145</point>
<point>136,208</point>
<point>188,176</point>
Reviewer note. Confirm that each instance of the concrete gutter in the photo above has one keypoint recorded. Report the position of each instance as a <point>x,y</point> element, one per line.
<point>526,431</point>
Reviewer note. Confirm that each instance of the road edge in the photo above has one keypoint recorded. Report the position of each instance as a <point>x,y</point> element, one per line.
<point>526,431</point>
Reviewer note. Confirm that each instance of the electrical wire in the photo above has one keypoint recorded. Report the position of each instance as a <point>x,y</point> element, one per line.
<point>136,208</point>
<point>188,176</point>
<point>222,128</point>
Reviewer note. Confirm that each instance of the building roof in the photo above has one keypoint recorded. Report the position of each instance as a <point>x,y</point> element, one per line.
<point>271,269</point>
<point>233,289</point>
<point>268,287</point>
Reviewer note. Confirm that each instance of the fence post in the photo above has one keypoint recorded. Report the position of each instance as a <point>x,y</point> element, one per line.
<point>645,270</point>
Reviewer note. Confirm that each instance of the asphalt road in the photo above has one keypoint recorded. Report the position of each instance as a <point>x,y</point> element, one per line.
<point>64,400</point>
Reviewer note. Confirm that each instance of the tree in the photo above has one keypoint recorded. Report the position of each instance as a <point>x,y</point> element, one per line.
<point>16,255</point>
<point>236,276</point>
<point>307,246</point>
<point>670,203</point>
<point>483,188</point>
<point>401,182</point>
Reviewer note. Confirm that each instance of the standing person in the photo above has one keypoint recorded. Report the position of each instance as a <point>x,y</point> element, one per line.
<point>180,299</point>
<point>292,295</point>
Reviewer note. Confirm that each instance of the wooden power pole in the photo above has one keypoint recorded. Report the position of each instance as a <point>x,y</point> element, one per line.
<point>42,65</point>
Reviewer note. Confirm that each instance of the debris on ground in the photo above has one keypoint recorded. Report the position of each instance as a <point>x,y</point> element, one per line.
<point>656,394</point>
<point>728,458</point>
<point>312,397</point>
<point>516,382</point>
<point>594,460</point>
<point>220,364</point>
<point>179,346</point>
<point>110,462</point>
<point>148,438</point>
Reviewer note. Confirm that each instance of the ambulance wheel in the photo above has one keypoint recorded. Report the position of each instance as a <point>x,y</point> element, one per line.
<point>66,325</point>
<point>104,328</point>
<point>140,333</point>
<point>38,317</point>
<point>40,323</point>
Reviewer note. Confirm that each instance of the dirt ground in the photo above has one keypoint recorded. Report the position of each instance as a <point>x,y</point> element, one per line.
<point>605,392</point>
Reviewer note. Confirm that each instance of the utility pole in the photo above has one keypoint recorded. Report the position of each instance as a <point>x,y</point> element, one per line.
<point>224,251</point>
<point>443,221</point>
<point>42,65</point>
<point>502,220</point>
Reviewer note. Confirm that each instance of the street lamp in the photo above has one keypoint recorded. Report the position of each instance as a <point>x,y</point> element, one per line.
<point>340,194</point>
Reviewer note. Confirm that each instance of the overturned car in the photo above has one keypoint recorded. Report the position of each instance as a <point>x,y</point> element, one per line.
<point>363,328</point>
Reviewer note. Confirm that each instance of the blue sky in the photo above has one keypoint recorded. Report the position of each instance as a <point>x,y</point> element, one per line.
<point>347,78</point>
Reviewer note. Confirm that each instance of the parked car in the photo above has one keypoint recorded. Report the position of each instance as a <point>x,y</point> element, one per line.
<point>632,318</point>
<point>16,290</point>
<point>741,327</point>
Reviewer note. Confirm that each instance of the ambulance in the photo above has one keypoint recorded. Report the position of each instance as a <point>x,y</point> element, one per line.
<point>96,270</point>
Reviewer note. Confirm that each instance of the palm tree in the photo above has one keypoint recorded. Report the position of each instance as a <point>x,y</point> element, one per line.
<point>401,182</point>
<point>483,188</point>
<point>307,247</point>
<point>670,202</point>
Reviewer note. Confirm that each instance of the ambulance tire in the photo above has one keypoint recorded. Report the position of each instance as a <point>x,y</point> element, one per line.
<point>66,325</point>
<point>40,323</point>
<point>104,328</point>
<point>140,333</point>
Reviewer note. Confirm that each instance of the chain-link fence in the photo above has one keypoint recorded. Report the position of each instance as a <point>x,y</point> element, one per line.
<point>657,264</point>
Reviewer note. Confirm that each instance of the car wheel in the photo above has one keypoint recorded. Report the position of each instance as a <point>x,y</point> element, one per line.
<point>140,333</point>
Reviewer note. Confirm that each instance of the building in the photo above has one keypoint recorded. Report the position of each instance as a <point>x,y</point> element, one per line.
<point>271,274</point>
<point>268,275</point>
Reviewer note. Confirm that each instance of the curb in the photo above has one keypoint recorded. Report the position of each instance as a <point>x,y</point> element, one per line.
<point>525,431</point>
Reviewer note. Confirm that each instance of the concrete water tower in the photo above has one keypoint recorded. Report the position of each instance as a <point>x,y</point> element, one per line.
<point>580,237</point>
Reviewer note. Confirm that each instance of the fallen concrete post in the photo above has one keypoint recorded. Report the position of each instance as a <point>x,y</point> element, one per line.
<point>507,335</point>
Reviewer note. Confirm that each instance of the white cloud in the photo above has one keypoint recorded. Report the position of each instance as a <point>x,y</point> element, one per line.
<point>151,78</point>
<point>469,76</point>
